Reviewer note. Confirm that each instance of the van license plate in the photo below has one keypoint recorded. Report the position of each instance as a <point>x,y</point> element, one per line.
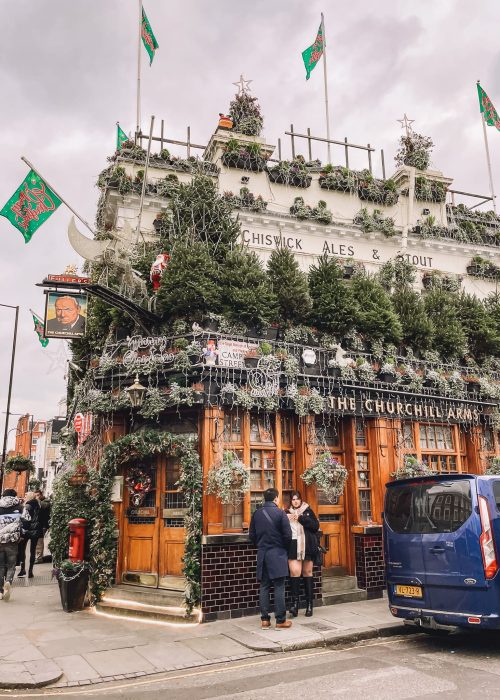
<point>409,591</point>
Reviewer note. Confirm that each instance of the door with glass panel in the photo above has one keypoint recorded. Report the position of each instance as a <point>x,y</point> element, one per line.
<point>153,531</point>
<point>328,437</point>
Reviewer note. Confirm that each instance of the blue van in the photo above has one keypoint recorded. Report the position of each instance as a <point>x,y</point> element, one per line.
<point>441,535</point>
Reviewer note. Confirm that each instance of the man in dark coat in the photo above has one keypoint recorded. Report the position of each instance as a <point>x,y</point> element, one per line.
<point>270,531</point>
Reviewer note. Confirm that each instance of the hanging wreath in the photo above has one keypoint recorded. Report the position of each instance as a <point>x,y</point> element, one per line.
<point>139,483</point>
<point>328,474</point>
<point>229,480</point>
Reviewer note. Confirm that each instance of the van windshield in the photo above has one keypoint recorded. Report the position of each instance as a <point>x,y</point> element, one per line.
<point>429,507</point>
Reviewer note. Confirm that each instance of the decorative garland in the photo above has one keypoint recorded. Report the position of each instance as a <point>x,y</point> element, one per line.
<point>139,483</point>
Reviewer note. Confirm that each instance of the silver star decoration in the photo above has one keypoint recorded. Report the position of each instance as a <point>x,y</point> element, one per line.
<point>243,85</point>
<point>58,358</point>
<point>406,123</point>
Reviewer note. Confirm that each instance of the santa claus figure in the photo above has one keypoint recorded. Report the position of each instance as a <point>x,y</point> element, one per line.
<point>157,269</point>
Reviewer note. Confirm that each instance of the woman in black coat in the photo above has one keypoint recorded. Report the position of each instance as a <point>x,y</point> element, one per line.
<point>303,551</point>
<point>30,532</point>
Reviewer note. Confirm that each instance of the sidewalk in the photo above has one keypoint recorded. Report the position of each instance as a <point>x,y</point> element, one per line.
<point>42,645</point>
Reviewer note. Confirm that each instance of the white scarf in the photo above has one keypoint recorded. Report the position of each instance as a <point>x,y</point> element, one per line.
<point>297,527</point>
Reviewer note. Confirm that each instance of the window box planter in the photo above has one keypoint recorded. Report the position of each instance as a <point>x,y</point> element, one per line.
<point>348,271</point>
<point>328,183</point>
<point>243,161</point>
<point>294,180</point>
<point>211,325</point>
<point>333,371</point>
<point>387,377</point>
<point>310,370</point>
<point>473,388</point>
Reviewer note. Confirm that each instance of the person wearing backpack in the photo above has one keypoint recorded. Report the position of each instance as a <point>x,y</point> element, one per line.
<point>31,531</point>
<point>12,516</point>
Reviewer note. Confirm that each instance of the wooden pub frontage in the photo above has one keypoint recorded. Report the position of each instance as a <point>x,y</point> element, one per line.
<point>369,428</point>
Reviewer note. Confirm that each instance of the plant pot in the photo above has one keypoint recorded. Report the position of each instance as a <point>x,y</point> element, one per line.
<point>194,359</point>
<point>387,377</point>
<point>251,362</point>
<point>198,397</point>
<point>253,332</point>
<point>333,371</point>
<point>73,592</point>
<point>235,160</point>
<point>348,271</point>
<point>77,480</point>
<point>473,388</point>
<point>311,370</point>
<point>289,179</point>
<point>427,282</point>
<point>475,270</point>
<point>270,333</point>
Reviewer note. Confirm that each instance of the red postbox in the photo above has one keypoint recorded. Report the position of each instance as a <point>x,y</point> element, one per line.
<point>77,528</point>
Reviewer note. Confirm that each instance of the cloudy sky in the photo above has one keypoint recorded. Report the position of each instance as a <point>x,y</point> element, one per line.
<point>68,73</point>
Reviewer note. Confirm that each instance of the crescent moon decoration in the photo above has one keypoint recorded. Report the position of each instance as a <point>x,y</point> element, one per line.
<point>86,247</point>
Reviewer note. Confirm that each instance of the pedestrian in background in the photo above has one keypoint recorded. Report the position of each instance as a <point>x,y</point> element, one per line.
<point>30,533</point>
<point>270,531</point>
<point>44,517</point>
<point>303,551</point>
<point>11,515</point>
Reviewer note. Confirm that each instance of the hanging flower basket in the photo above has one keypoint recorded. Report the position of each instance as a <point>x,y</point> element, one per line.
<point>229,480</point>
<point>410,468</point>
<point>19,464</point>
<point>328,474</point>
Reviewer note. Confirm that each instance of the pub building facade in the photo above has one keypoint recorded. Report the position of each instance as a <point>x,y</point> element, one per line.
<point>369,426</point>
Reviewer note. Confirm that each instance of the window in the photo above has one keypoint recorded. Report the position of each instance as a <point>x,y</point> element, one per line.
<point>441,447</point>
<point>232,515</point>
<point>432,507</point>
<point>287,458</point>
<point>363,481</point>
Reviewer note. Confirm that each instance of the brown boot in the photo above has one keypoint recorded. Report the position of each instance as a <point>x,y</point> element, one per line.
<point>286,624</point>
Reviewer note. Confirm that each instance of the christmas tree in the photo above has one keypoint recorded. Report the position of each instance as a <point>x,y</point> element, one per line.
<point>376,318</point>
<point>289,284</point>
<point>449,337</point>
<point>200,213</point>
<point>245,111</point>
<point>483,337</point>
<point>190,285</point>
<point>247,293</point>
<point>334,308</point>
<point>417,328</point>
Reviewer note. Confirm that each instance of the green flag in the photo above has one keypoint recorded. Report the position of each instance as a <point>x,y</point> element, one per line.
<point>313,53</point>
<point>121,137</point>
<point>148,38</point>
<point>30,205</point>
<point>489,113</point>
<point>39,329</point>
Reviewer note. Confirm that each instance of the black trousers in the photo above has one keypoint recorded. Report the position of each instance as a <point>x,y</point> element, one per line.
<point>22,551</point>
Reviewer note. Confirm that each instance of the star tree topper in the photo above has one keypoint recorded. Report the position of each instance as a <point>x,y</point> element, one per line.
<point>406,124</point>
<point>243,85</point>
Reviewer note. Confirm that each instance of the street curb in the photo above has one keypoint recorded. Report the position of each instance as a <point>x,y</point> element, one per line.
<point>27,680</point>
<point>386,630</point>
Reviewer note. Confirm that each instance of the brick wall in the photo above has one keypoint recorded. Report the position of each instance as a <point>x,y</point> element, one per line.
<point>229,587</point>
<point>370,572</point>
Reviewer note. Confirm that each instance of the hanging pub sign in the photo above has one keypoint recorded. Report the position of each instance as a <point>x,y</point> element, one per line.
<point>65,315</point>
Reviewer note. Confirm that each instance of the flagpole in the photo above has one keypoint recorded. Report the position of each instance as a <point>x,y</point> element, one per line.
<point>85,223</point>
<point>488,161</point>
<point>144,179</point>
<point>326,90</point>
<point>139,72</point>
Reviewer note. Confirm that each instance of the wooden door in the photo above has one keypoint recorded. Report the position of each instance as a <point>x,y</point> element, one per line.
<point>153,533</point>
<point>332,517</point>
<point>172,533</point>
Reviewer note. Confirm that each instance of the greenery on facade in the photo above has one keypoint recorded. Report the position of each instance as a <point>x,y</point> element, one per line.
<point>376,221</point>
<point>289,286</point>
<point>246,115</point>
<point>414,150</point>
<point>411,467</point>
